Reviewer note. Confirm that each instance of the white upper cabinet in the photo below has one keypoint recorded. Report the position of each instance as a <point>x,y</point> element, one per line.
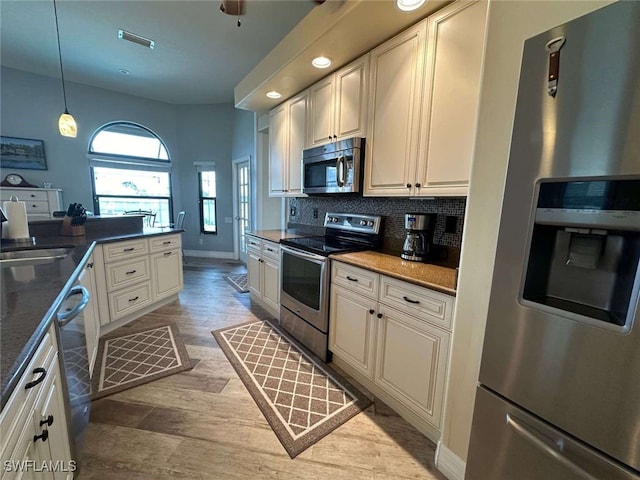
<point>424,93</point>
<point>338,104</point>
<point>395,90</point>
<point>287,135</point>
<point>452,93</point>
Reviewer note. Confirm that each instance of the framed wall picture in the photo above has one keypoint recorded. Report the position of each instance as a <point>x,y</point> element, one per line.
<point>22,153</point>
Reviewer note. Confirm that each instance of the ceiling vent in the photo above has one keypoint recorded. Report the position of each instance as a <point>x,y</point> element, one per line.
<point>132,37</point>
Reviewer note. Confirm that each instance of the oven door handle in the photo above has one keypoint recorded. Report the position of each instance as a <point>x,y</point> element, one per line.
<point>300,253</point>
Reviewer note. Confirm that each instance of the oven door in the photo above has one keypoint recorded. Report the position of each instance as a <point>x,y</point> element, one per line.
<point>305,286</point>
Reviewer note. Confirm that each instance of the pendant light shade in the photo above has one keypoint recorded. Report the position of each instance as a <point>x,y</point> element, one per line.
<point>66,122</point>
<point>67,125</point>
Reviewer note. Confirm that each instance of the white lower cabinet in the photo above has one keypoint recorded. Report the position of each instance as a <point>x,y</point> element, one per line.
<point>91,315</point>
<point>263,273</point>
<point>134,277</point>
<point>394,338</point>
<point>352,331</point>
<point>34,443</point>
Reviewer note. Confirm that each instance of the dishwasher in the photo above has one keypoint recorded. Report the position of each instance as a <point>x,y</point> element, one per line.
<point>74,361</point>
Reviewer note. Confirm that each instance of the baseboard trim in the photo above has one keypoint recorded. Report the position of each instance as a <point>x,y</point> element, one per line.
<point>449,463</point>
<point>209,254</point>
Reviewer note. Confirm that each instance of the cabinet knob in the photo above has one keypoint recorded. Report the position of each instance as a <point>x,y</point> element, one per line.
<point>330,137</point>
<point>90,265</point>
<point>43,436</point>
<point>335,137</point>
<point>379,315</point>
<point>408,185</point>
<point>48,421</point>
<point>371,311</point>
<point>418,185</point>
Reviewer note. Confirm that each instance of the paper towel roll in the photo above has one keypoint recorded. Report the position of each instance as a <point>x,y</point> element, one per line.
<point>17,224</point>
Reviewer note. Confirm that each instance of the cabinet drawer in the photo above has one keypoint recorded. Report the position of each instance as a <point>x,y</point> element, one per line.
<point>24,195</point>
<point>22,399</point>
<point>254,242</point>
<point>36,207</point>
<point>356,279</point>
<point>124,302</point>
<point>165,242</point>
<point>271,250</point>
<point>434,307</point>
<point>128,272</point>
<point>122,250</point>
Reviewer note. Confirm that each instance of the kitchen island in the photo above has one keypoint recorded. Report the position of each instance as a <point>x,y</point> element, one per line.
<point>32,294</point>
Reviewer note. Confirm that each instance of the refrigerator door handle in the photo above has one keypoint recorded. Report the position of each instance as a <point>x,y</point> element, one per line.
<point>526,432</point>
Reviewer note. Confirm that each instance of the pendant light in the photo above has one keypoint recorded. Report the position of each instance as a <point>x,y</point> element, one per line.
<point>66,122</point>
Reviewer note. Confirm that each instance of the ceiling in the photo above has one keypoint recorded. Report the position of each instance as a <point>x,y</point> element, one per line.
<point>200,54</point>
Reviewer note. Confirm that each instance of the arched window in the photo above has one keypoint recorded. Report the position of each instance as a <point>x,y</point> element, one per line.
<point>131,171</point>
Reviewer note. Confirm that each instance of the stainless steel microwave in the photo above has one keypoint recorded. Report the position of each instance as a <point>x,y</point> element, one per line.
<point>333,168</point>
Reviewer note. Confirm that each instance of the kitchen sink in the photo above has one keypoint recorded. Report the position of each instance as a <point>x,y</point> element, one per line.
<point>34,256</point>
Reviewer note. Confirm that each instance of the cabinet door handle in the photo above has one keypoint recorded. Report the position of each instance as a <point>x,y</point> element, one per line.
<point>42,372</point>
<point>372,311</point>
<point>90,265</point>
<point>407,299</point>
<point>418,185</point>
<point>330,137</point>
<point>352,279</point>
<point>47,421</point>
<point>43,436</point>
<point>408,185</point>
<point>269,249</point>
<point>379,315</point>
<point>167,242</point>
<point>131,272</point>
<point>166,254</point>
<point>131,249</point>
<point>134,299</point>
<point>33,196</point>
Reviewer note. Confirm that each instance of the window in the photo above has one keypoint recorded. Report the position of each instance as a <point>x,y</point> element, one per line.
<point>131,171</point>
<point>208,220</point>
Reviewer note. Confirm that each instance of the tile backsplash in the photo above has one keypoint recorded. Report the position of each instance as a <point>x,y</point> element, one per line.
<point>392,211</point>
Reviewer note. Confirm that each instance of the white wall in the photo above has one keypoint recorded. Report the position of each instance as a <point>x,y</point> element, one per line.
<point>510,23</point>
<point>31,104</point>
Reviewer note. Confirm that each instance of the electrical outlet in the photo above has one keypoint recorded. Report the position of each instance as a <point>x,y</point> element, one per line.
<point>451,224</point>
<point>315,213</point>
<point>292,212</point>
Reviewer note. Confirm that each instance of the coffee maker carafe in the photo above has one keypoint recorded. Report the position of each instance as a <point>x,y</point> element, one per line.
<point>419,233</point>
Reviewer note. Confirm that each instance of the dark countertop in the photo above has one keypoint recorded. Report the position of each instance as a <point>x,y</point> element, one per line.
<point>30,296</point>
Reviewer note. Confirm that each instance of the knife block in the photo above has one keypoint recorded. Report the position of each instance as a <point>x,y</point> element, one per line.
<point>68,230</point>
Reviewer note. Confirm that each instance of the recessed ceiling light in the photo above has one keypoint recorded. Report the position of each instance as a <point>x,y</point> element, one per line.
<point>409,5</point>
<point>273,94</point>
<point>321,62</point>
<point>124,71</point>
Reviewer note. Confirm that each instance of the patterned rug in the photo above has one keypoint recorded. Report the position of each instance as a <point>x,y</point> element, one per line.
<point>138,357</point>
<point>239,282</point>
<point>302,399</point>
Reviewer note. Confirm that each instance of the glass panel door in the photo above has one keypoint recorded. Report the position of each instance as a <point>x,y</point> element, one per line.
<point>242,200</point>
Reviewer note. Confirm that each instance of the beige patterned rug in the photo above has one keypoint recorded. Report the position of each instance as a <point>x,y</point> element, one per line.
<point>302,398</point>
<point>138,357</point>
<point>239,282</point>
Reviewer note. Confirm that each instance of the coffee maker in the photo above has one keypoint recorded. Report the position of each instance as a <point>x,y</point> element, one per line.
<point>419,236</point>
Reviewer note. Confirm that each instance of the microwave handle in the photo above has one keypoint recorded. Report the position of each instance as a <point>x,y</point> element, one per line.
<point>341,166</point>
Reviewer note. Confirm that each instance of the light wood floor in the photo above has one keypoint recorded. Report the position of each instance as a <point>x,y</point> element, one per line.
<point>203,424</point>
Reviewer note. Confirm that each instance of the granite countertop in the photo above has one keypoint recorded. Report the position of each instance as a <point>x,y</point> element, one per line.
<point>277,235</point>
<point>435,277</point>
<point>30,296</point>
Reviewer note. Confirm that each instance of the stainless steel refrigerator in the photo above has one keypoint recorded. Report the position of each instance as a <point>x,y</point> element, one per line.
<point>559,392</point>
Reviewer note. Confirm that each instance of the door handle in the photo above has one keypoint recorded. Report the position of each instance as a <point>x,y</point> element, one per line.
<point>66,317</point>
<point>532,437</point>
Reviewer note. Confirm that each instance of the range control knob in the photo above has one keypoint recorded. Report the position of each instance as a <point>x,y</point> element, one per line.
<point>334,219</point>
<point>370,223</point>
<point>363,223</point>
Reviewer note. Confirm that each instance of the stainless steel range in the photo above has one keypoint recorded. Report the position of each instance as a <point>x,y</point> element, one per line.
<point>304,275</point>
